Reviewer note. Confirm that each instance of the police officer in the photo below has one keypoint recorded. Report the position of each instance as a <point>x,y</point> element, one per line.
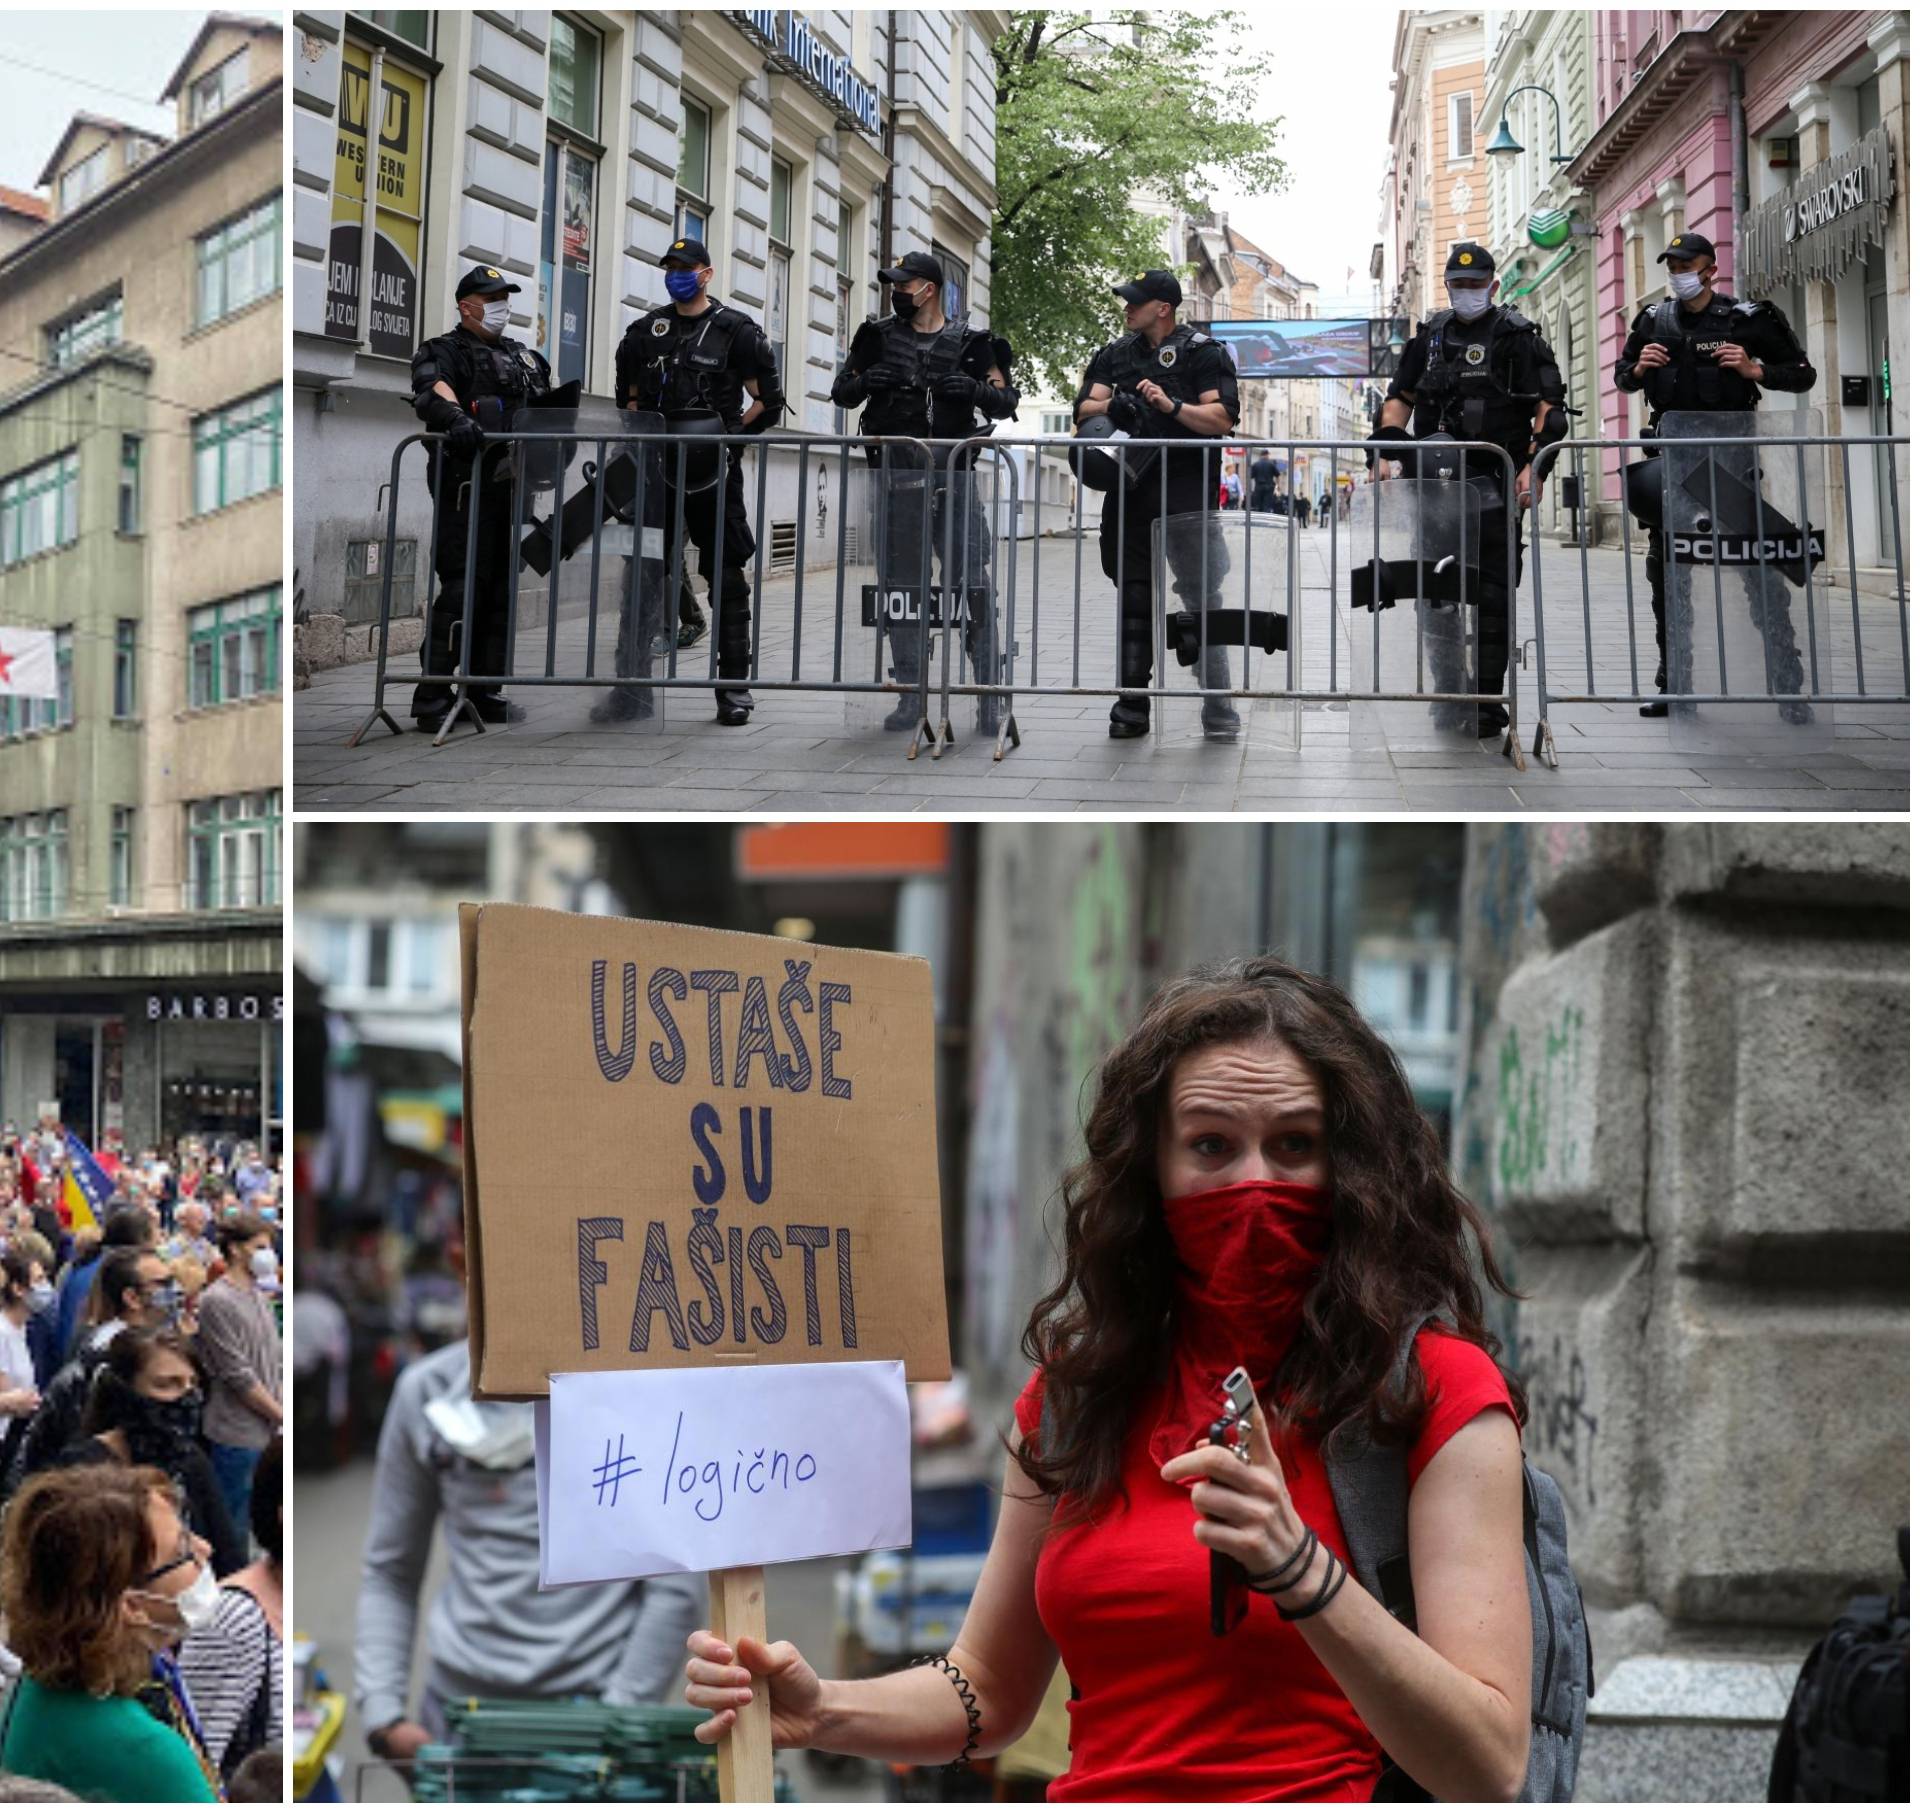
<point>919,374</point>
<point>1698,349</point>
<point>466,384</point>
<point>1164,379</point>
<point>1477,370</point>
<point>709,370</point>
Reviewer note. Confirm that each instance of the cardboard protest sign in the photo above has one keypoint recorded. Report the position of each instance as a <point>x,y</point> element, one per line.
<point>681,1472</point>
<point>688,1147</point>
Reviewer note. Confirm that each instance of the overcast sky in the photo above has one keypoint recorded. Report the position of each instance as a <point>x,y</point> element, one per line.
<point>1327,82</point>
<point>114,63</point>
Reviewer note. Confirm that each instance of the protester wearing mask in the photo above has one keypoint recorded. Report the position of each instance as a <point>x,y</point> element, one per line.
<point>1479,372</point>
<point>1260,1190</point>
<point>100,1579</point>
<point>464,1471</point>
<point>240,1348</point>
<point>143,1410</point>
<point>20,1280</point>
<point>189,1237</point>
<point>136,1285</point>
<point>1701,351</point>
<point>233,1665</point>
<point>468,384</point>
<point>43,1310</point>
<point>124,1228</point>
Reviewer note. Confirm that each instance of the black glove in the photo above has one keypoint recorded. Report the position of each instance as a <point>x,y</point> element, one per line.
<point>878,378</point>
<point>957,387</point>
<point>1127,412</point>
<point>464,432</point>
<point>1375,449</point>
<point>998,402</point>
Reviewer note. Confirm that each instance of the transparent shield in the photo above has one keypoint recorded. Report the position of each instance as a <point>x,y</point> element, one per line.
<point>894,640</point>
<point>975,517</point>
<point>1225,586</point>
<point>1746,583</point>
<point>1412,556</point>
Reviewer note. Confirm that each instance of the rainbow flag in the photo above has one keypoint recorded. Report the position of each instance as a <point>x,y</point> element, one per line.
<point>87,1189</point>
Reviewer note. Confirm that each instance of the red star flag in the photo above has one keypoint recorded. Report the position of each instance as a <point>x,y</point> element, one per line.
<point>27,668</point>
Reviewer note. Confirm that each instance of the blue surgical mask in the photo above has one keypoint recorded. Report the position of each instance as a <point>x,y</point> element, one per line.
<point>683,285</point>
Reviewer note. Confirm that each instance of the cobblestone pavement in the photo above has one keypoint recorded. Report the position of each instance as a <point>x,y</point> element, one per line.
<point>816,752</point>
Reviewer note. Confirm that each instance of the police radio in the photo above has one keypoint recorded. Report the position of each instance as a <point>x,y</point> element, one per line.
<point>1228,1581</point>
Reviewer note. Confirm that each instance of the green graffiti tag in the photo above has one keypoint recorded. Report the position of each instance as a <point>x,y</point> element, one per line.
<point>1539,1124</point>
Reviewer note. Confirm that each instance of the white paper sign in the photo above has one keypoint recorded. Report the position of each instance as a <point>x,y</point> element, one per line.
<point>678,1472</point>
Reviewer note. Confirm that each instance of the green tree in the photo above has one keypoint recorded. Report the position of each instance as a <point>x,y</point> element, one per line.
<point>1092,109</point>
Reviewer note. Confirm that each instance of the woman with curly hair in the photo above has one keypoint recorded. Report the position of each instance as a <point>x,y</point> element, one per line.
<point>1260,1190</point>
<point>98,1577</point>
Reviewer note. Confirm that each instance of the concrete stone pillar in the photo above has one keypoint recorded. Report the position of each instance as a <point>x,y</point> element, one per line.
<point>1813,124</point>
<point>1887,37</point>
<point>1715,1332</point>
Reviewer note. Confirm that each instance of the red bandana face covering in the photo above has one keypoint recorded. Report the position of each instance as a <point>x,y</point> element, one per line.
<point>1248,1254</point>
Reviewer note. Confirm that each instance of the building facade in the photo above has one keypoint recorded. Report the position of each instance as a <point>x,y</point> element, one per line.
<point>1724,123</point>
<point>1539,228</point>
<point>1435,192</point>
<point>140,521</point>
<point>569,151</point>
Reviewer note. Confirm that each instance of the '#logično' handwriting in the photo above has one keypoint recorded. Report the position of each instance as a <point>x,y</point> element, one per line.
<point>706,1485</point>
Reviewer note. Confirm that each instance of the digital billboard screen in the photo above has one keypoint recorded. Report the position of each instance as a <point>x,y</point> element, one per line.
<point>1309,349</point>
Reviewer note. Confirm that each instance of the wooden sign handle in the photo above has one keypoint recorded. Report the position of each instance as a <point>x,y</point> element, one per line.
<point>737,1607</point>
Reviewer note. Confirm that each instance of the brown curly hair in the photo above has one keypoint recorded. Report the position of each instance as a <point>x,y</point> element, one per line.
<point>76,1539</point>
<point>1404,1238</point>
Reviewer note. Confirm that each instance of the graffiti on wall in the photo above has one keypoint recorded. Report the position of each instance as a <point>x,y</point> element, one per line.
<point>1562,1426</point>
<point>1541,1118</point>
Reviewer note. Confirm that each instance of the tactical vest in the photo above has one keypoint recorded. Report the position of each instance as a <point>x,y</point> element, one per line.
<point>928,357</point>
<point>1692,378</point>
<point>1176,365</point>
<point>691,369</point>
<point>496,368</point>
<point>1480,389</point>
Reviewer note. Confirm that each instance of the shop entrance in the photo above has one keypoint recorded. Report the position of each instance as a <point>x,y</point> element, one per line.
<point>76,1048</point>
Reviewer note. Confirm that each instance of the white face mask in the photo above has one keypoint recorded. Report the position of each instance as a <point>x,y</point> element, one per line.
<point>1685,284</point>
<point>196,1606</point>
<point>1470,303</point>
<point>494,315</point>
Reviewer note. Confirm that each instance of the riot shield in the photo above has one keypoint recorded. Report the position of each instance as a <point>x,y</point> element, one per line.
<point>1744,544</point>
<point>898,637</point>
<point>1224,586</point>
<point>1412,558</point>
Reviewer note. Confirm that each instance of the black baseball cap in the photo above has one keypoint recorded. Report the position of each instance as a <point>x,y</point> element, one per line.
<point>916,267</point>
<point>1470,260</point>
<point>686,251</point>
<point>484,280</point>
<point>1685,245</point>
<point>1151,286</point>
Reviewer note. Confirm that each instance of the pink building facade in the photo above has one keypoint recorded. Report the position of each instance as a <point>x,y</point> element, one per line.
<point>1798,87</point>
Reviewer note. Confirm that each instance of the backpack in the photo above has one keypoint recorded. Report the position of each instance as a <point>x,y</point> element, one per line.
<point>1369,1480</point>
<point>1845,1733</point>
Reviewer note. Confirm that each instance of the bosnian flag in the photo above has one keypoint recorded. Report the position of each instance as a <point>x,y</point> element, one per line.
<point>27,668</point>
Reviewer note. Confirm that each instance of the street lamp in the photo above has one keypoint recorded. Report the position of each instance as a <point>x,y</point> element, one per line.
<point>1504,144</point>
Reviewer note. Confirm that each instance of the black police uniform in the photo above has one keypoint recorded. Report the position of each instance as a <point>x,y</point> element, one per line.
<point>1482,380</point>
<point>694,369</point>
<point>492,379</point>
<point>1694,380</point>
<point>1265,472</point>
<point>1186,365</point>
<point>931,386</point>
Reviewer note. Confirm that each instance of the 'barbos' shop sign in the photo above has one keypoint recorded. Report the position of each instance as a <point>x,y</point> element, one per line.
<point>1825,221</point>
<point>213,1007</point>
<point>825,69</point>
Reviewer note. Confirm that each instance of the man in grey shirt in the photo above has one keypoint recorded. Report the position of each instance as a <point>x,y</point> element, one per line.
<point>491,1632</point>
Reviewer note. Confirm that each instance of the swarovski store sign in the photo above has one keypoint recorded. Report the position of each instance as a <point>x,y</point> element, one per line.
<point>826,71</point>
<point>1825,221</point>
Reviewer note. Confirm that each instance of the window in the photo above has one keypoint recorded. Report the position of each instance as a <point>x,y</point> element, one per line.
<point>233,851</point>
<point>129,484</point>
<point>694,206</point>
<point>217,90</point>
<point>239,262</point>
<point>843,265</point>
<point>1460,113</point>
<point>379,955</point>
<point>953,287</point>
<point>236,452</point>
<point>63,678</point>
<point>779,257</point>
<point>84,334</point>
<point>566,259</point>
<point>40,509</point>
<point>83,179</point>
<point>573,76</point>
<point>33,866</point>
<point>1056,423</point>
<point>233,649</point>
<point>120,859</point>
<point>411,27</point>
<point>126,668</point>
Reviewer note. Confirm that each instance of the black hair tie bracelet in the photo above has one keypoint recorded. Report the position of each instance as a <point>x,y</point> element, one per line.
<point>964,1688</point>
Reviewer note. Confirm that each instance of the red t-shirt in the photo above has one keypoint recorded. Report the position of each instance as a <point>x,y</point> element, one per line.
<point>1161,1708</point>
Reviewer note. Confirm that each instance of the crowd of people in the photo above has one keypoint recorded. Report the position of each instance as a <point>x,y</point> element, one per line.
<point>1257,488</point>
<point>140,1470</point>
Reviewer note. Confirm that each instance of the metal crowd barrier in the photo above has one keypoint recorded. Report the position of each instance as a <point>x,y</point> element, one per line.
<point>1801,508</point>
<point>845,671</point>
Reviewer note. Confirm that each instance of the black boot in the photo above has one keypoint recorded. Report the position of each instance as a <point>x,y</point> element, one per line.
<point>1219,722</point>
<point>1132,714</point>
<point>903,643</point>
<point>733,633</point>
